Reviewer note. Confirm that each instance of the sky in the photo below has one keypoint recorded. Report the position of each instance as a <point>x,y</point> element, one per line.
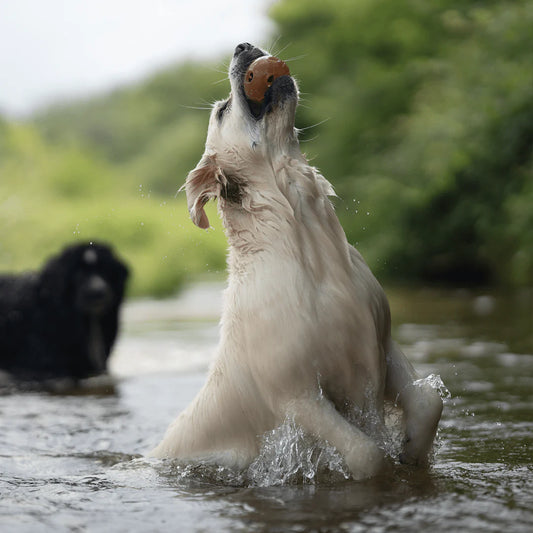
<point>56,49</point>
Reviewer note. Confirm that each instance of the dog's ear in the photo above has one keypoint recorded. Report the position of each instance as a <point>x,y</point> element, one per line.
<point>202,184</point>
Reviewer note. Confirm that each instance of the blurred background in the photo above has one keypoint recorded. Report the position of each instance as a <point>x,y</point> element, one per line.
<point>419,113</point>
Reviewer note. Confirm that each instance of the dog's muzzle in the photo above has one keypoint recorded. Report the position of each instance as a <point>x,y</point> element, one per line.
<point>263,85</point>
<point>94,296</point>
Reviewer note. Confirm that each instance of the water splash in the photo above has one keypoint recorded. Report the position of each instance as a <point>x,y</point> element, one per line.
<point>435,382</point>
<point>290,456</point>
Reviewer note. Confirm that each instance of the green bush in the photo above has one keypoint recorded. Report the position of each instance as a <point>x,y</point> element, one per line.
<point>52,196</point>
<point>419,113</point>
<point>429,125</point>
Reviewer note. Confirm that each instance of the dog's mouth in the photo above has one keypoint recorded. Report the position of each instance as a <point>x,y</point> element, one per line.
<point>95,296</point>
<point>264,81</point>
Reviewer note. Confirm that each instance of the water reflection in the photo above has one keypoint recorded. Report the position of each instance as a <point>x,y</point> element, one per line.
<point>72,462</point>
<point>311,507</point>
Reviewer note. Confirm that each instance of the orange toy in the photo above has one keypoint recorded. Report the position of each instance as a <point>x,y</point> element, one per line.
<point>261,74</point>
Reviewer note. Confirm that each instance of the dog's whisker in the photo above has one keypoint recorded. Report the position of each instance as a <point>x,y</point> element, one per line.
<point>272,46</point>
<point>281,50</point>
<point>274,42</point>
<point>197,108</point>
<point>295,58</point>
<point>305,128</point>
<point>223,69</point>
<point>205,105</point>
<point>223,80</point>
<point>311,139</point>
<point>224,72</point>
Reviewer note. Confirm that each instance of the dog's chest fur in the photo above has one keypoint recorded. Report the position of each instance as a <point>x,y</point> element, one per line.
<point>291,296</point>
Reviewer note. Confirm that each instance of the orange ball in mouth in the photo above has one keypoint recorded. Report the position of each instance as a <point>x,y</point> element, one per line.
<point>261,75</point>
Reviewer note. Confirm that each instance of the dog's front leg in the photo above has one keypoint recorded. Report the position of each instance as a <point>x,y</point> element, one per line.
<point>319,418</point>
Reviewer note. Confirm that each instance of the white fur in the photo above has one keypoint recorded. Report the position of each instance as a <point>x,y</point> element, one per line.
<point>305,329</point>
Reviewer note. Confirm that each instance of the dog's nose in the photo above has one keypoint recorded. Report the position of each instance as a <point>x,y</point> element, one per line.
<point>243,47</point>
<point>261,74</point>
<point>95,295</point>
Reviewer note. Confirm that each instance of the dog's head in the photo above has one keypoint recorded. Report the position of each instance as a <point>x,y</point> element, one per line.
<point>245,137</point>
<point>269,122</point>
<point>85,278</point>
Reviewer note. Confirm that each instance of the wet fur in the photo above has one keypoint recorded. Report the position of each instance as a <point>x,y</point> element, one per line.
<point>305,329</point>
<point>62,322</point>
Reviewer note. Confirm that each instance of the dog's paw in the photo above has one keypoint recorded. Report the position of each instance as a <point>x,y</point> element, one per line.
<point>365,460</point>
<point>408,457</point>
<point>420,434</point>
<point>416,453</point>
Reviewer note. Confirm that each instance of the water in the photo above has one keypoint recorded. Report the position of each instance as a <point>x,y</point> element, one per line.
<point>74,462</point>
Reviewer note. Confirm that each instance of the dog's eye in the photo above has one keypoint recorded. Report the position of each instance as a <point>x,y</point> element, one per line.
<point>250,76</point>
<point>222,109</point>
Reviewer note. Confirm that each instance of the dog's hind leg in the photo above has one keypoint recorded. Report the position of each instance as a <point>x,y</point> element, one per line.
<point>421,405</point>
<point>319,418</point>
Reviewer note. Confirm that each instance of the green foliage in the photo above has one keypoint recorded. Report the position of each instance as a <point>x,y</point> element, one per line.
<point>51,196</point>
<point>108,169</point>
<point>420,113</point>
<point>128,122</point>
<point>430,129</point>
<point>172,152</point>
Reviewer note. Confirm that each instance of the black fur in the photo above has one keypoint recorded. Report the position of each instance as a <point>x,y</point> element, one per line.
<point>62,322</point>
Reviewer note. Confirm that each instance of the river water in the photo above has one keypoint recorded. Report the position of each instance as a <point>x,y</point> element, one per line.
<point>73,461</point>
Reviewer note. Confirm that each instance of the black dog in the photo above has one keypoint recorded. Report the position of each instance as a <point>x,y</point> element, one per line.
<point>62,322</point>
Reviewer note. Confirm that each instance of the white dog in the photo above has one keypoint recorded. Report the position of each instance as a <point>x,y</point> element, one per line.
<point>305,329</point>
